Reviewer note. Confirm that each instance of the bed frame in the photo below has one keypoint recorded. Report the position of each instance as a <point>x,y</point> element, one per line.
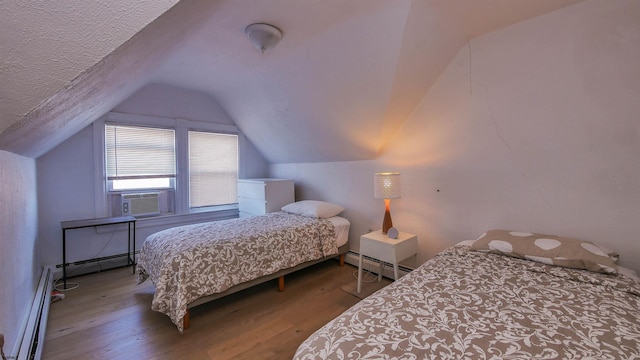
<point>279,275</point>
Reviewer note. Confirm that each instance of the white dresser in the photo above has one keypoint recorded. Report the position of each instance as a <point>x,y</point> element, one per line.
<point>261,196</point>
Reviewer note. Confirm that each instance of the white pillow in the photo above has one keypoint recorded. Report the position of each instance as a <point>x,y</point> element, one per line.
<point>313,208</point>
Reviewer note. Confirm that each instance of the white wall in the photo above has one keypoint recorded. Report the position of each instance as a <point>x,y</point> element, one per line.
<point>533,127</point>
<point>66,177</point>
<point>172,102</point>
<point>19,262</point>
<point>66,192</point>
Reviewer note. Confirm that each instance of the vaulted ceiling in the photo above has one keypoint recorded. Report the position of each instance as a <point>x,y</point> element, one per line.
<point>345,76</point>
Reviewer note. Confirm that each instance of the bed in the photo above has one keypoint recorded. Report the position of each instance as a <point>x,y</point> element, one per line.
<point>492,299</point>
<point>193,264</point>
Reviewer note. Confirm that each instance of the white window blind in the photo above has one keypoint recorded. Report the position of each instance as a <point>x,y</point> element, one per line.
<point>213,169</point>
<point>134,153</point>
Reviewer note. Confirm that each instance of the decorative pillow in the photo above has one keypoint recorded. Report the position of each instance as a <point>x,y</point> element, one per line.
<point>313,208</point>
<point>612,254</point>
<point>547,249</point>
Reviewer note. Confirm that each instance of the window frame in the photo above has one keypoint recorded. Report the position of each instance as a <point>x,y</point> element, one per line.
<point>182,128</point>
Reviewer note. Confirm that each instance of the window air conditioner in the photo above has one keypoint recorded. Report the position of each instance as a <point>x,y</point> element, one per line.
<point>141,204</point>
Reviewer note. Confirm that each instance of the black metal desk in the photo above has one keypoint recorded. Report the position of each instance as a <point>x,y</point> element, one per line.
<point>78,224</point>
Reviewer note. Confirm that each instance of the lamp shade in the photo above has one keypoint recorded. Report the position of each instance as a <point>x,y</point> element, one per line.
<point>386,185</point>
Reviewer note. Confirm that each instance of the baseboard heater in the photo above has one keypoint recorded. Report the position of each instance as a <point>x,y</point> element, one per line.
<point>371,263</point>
<point>33,337</point>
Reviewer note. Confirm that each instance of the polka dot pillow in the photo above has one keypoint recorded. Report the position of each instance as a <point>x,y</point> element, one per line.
<point>547,249</point>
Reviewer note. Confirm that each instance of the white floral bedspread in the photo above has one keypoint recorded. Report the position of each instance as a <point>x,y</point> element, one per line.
<point>469,305</point>
<point>192,261</point>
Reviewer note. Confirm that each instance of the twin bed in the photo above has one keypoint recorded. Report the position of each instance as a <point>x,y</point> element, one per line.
<point>190,265</point>
<point>507,295</point>
<point>473,302</point>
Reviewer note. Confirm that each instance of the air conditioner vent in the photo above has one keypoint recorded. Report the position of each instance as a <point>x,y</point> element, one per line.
<point>141,204</point>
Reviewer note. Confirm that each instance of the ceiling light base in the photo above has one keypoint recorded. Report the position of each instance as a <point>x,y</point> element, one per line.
<point>263,36</point>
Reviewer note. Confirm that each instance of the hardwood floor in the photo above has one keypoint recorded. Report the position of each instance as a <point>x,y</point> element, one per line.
<point>110,317</point>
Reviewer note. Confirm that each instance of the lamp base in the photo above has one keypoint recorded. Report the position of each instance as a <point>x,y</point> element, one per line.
<point>386,223</point>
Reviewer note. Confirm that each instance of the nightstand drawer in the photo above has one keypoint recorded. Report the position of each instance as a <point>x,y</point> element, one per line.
<point>381,247</point>
<point>378,250</point>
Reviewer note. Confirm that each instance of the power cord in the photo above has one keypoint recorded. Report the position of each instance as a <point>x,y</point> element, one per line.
<point>70,286</point>
<point>367,272</point>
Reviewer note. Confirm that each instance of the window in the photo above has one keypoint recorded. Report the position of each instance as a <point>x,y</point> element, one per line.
<point>139,157</point>
<point>213,169</point>
<point>193,166</point>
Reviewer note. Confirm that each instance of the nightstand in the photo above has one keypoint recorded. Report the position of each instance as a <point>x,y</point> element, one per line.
<point>379,246</point>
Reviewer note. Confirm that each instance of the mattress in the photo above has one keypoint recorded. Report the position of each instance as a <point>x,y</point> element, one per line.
<point>465,304</point>
<point>341,228</point>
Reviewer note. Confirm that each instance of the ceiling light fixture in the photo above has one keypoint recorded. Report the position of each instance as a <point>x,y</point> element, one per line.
<point>263,36</point>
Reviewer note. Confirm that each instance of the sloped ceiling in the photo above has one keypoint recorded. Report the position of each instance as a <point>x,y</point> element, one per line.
<point>338,86</point>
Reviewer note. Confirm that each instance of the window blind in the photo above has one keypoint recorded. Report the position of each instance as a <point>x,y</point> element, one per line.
<point>139,152</point>
<point>213,169</point>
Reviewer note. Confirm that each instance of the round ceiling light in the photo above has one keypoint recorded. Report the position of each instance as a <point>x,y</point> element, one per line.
<point>263,36</point>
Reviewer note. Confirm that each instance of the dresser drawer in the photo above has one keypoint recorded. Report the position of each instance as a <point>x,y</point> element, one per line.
<point>252,206</point>
<point>243,214</point>
<point>252,189</point>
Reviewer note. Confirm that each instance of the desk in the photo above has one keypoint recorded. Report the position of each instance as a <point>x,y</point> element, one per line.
<point>78,224</point>
<point>379,246</point>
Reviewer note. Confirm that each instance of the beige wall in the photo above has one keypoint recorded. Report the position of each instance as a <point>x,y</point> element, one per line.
<point>532,127</point>
<point>19,262</point>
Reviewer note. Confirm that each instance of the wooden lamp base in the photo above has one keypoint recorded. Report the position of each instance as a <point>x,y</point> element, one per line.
<point>387,223</point>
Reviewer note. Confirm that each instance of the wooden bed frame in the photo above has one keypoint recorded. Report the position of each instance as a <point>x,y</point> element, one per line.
<point>279,275</point>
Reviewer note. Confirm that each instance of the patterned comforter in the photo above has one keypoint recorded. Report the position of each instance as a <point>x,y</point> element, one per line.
<point>469,305</point>
<point>188,262</point>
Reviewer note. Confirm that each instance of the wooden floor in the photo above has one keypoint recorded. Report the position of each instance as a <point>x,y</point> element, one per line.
<point>110,317</point>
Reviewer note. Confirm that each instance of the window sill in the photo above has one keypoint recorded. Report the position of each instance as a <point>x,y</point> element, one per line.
<point>202,215</point>
<point>209,209</point>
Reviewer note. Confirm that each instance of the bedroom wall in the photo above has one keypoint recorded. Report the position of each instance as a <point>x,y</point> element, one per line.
<point>532,127</point>
<point>19,262</point>
<point>66,176</point>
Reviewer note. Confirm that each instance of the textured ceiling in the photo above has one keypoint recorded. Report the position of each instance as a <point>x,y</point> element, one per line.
<point>337,87</point>
<point>46,44</point>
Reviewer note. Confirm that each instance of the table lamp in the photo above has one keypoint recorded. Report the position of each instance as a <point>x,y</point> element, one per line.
<point>386,186</point>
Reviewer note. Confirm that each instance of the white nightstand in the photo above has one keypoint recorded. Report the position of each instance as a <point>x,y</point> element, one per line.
<point>379,246</point>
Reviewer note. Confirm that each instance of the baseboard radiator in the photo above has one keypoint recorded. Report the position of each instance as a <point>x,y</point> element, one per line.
<point>373,265</point>
<point>33,338</point>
